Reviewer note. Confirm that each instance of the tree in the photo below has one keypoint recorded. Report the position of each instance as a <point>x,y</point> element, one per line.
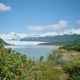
<point>41,58</point>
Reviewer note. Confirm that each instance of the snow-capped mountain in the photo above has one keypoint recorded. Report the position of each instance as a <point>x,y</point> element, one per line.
<point>11,36</point>
<point>67,35</point>
<point>16,36</point>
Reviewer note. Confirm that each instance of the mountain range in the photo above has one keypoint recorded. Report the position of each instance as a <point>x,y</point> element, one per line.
<point>57,38</point>
<point>45,37</point>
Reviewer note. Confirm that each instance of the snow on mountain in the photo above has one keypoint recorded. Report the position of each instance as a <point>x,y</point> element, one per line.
<point>16,36</point>
<point>11,36</point>
<point>71,32</point>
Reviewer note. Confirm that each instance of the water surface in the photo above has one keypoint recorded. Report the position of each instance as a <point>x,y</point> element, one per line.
<point>31,49</point>
<point>34,51</point>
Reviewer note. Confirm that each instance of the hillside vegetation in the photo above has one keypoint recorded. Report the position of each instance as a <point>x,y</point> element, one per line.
<point>72,45</point>
<point>61,64</point>
<point>2,41</point>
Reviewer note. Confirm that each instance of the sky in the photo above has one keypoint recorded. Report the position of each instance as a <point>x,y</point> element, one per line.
<point>39,16</point>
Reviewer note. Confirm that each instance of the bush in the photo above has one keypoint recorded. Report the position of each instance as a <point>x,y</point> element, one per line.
<point>73,70</point>
<point>11,64</point>
<point>44,71</point>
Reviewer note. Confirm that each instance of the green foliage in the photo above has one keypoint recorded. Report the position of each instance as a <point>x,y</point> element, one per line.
<point>73,45</point>
<point>73,70</point>
<point>11,64</point>
<point>57,66</point>
<point>1,44</point>
<point>44,71</point>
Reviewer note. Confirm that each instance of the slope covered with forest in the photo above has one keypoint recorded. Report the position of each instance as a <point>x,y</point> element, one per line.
<point>2,41</point>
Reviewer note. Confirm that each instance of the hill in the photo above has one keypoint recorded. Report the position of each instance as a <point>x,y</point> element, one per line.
<point>2,41</point>
<point>72,45</point>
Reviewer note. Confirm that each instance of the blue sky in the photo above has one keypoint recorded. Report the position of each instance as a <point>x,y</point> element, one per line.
<point>39,16</point>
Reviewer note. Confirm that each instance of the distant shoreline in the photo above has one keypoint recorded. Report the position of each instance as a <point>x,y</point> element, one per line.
<point>21,43</point>
<point>26,43</point>
<point>52,43</point>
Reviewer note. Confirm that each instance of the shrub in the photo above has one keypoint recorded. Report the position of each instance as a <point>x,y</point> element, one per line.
<point>73,70</point>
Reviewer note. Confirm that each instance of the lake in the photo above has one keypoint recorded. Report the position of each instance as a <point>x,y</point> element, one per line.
<point>33,51</point>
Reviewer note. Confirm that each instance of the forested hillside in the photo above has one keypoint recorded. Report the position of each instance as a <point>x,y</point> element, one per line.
<point>72,45</point>
<point>2,41</point>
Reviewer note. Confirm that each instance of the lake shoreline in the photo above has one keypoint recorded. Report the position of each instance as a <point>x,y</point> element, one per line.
<point>52,43</point>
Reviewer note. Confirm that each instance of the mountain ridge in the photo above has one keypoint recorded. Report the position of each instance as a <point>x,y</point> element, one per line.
<point>58,38</point>
<point>17,36</point>
<point>5,43</point>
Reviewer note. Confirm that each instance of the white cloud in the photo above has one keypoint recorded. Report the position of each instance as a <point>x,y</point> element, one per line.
<point>71,31</point>
<point>61,24</point>
<point>4,7</point>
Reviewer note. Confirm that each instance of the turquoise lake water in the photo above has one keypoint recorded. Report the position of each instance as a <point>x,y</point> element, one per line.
<point>31,49</point>
<point>35,51</point>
